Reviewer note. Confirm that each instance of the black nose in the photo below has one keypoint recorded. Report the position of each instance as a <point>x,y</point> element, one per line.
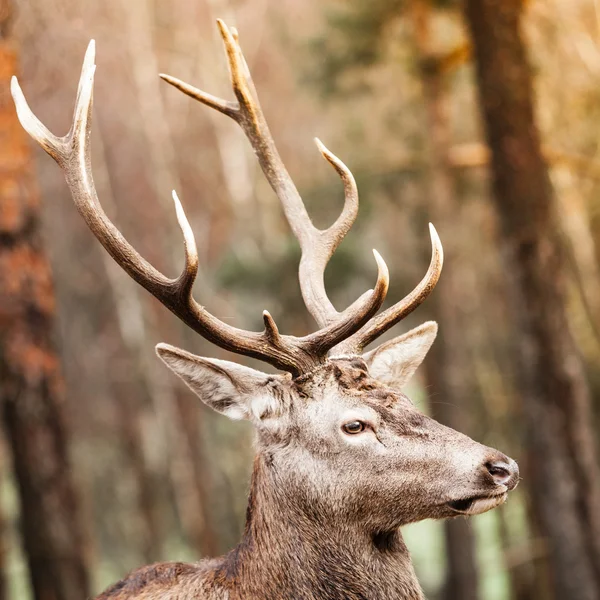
<point>504,472</point>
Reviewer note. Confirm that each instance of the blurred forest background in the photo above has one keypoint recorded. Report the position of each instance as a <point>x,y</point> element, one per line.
<point>107,462</point>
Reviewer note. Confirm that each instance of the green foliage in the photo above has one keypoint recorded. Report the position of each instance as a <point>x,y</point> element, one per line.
<point>277,278</point>
<point>352,42</point>
<point>15,562</point>
<point>355,39</point>
<point>264,277</point>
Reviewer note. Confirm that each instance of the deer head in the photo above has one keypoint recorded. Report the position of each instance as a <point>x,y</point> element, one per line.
<point>335,431</point>
<point>344,441</point>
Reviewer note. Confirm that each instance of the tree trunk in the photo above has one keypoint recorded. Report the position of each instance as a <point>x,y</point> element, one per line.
<point>31,394</point>
<point>564,474</point>
<point>189,474</point>
<point>3,549</point>
<point>147,510</point>
<point>528,579</point>
<point>201,530</point>
<point>149,517</point>
<point>448,369</point>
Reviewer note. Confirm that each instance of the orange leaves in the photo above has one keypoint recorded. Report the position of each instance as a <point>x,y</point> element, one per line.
<point>25,280</point>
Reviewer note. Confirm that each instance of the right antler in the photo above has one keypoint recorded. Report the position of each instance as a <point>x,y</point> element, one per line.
<point>317,246</point>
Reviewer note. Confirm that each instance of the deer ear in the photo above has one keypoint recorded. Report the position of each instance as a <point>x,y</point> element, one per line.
<point>395,362</point>
<point>233,390</point>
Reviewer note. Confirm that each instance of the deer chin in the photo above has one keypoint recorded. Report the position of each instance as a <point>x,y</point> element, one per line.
<point>475,505</point>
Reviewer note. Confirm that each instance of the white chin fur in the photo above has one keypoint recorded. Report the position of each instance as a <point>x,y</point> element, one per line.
<point>484,504</point>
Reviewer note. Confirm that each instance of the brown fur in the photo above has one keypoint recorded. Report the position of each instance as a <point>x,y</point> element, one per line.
<point>323,524</point>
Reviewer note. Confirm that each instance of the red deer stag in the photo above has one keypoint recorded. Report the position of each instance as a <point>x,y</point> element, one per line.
<point>343,458</point>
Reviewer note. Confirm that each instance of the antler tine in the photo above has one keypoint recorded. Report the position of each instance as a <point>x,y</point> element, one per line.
<point>89,65</point>
<point>336,233</point>
<point>388,318</point>
<point>271,329</point>
<point>317,246</point>
<point>51,143</point>
<point>190,271</point>
<point>223,106</point>
<point>365,307</point>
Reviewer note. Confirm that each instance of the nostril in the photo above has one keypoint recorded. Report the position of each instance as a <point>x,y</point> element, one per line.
<point>500,472</point>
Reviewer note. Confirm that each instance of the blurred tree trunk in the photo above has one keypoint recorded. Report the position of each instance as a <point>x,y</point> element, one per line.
<point>526,567</point>
<point>3,552</point>
<point>188,474</point>
<point>31,394</point>
<point>448,369</point>
<point>150,529</point>
<point>564,470</point>
<point>201,530</point>
<point>130,313</point>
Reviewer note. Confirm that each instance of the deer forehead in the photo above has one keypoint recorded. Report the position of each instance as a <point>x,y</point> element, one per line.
<point>337,374</point>
<point>337,409</point>
<point>343,391</point>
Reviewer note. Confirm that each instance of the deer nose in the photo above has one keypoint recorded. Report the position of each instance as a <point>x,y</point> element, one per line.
<point>504,471</point>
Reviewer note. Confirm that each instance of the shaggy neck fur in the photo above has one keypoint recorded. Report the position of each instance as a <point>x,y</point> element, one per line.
<point>303,556</point>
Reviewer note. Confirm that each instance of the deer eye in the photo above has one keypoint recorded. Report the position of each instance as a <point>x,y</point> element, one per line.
<point>354,427</point>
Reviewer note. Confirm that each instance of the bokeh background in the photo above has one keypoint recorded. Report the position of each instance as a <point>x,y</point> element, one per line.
<point>107,462</point>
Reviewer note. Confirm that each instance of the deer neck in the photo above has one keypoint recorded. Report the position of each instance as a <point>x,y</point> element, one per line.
<point>288,553</point>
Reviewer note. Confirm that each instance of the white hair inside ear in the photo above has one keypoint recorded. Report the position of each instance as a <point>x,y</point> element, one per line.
<point>395,362</point>
<point>233,390</point>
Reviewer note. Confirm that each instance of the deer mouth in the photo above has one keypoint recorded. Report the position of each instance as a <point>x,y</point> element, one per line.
<point>475,505</point>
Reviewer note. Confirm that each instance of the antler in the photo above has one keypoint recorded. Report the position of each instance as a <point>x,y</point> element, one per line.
<point>317,246</point>
<point>72,152</point>
<point>348,331</point>
<point>356,343</point>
